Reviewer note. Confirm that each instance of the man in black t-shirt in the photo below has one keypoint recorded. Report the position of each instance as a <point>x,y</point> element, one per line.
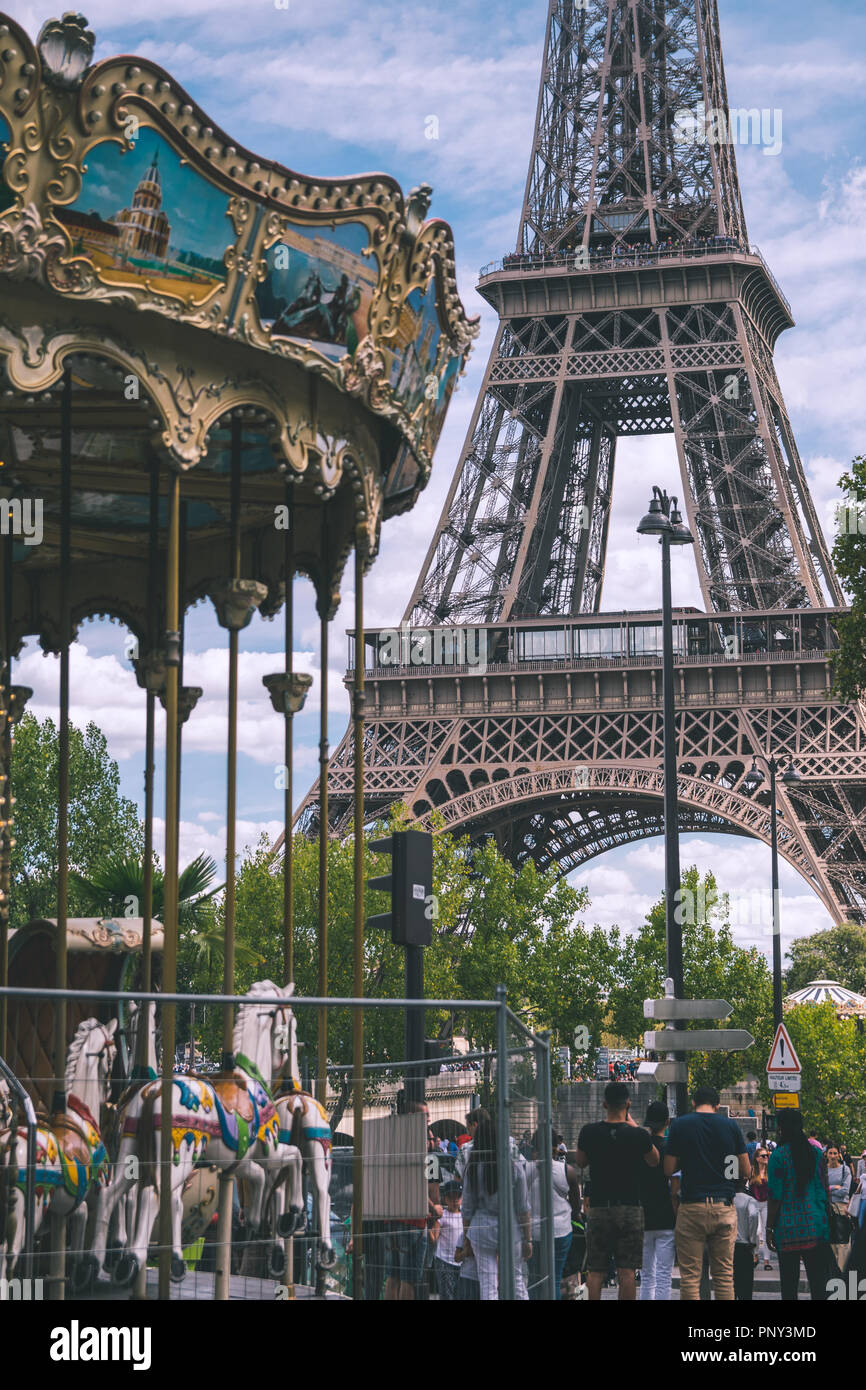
<point>616,1151</point>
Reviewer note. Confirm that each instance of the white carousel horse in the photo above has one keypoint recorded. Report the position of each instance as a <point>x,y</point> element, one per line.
<point>304,1124</point>
<point>109,1208</point>
<point>70,1154</point>
<point>231,1118</point>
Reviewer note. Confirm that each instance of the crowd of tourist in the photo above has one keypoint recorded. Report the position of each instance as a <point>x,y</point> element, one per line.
<point>630,1204</point>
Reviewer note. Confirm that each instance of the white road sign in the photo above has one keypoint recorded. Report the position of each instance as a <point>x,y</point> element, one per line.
<point>783,1058</point>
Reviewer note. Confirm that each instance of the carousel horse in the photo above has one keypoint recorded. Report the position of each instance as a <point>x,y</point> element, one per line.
<point>304,1125</point>
<point>70,1155</point>
<point>231,1118</point>
<point>119,1215</point>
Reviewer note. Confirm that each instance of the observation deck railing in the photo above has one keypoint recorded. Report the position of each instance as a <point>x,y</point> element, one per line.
<point>629,258</point>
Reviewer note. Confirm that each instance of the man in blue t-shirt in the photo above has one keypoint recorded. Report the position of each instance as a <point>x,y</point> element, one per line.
<point>709,1153</point>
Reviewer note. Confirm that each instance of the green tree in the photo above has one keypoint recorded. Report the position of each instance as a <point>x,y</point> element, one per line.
<point>832,1053</point>
<point>115,885</point>
<point>714,967</point>
<point>849,560</point>
<point>100,819</point>
<point>839,953</point>
<point>492,924</point>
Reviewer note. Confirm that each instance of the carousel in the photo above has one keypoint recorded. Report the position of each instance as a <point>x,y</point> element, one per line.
<point>846,1002</point>
<point>215,374</point>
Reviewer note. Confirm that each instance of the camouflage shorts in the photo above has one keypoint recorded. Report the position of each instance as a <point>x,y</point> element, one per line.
<point>614,1233</point>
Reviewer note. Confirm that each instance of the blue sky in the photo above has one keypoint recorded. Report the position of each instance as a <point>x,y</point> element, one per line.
<point>338,90</point>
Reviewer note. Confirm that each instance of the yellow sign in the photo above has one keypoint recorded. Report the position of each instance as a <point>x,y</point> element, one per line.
<point>786,1100</point>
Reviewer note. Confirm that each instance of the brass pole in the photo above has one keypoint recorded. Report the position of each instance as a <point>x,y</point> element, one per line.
<point>288,851</point>
<point>5,768</point>
<point>59,1100</point>
<point>288,845</point>
<point>169,959</point>
<point>322,1047</point>
<point>231,799</point>
<point>149,740</point>
<point>226,1180</point>
<point>358,941</point>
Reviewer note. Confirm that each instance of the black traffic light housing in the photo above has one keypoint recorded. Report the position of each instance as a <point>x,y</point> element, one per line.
<point>410,884</point>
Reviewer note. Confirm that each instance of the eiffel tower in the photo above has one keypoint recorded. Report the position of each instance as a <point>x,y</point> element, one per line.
<point>632,305</point>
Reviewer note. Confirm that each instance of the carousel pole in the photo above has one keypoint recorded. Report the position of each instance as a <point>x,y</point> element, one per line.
<point>149,740</point>
<point>358,942</point>
<point>322,1042</point>
<point>288,858</point>
<point>169,960</point>
<point>57,1278</point>
<point>226,1180</point>
<point>5,767</point>
<point>288,846</point>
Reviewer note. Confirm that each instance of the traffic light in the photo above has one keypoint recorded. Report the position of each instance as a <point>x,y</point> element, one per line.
<point>410,884</point>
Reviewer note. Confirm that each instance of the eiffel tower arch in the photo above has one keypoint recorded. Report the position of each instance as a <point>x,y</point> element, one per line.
<point>633,304</point>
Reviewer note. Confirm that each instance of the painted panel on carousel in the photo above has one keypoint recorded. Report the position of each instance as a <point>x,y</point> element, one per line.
<point>434,419</point>
<point>319,285</point>
<point>144,216</point>
<point>410,356</point>
<point>6,196</point>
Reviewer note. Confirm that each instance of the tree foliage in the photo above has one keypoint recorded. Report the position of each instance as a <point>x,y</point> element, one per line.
<point>100,819</point>
<point>714,967</point>
<point>493,924</point>
<point>832,1053</point>
<point>839,953</point>
<point>849,560</point>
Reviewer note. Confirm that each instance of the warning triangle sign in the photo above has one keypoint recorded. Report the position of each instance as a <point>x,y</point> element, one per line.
<point>783,1058</point>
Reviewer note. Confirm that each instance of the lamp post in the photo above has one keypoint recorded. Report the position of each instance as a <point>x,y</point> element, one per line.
<point>665,521</point>
<point>753,779</point>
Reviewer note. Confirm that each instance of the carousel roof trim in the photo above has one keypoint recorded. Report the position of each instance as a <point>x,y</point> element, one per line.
<point>92,934</point>
<point>828,992</point>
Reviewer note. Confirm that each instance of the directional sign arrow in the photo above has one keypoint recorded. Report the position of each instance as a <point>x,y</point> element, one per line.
<point>698,1040</point>
<point>665,1073</point>
<point>687,1008</point>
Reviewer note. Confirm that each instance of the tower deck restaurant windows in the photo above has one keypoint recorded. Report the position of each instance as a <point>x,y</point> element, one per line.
<point>627,639</point>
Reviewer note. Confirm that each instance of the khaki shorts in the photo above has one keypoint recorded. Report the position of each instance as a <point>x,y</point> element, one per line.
<point>614,1232</point>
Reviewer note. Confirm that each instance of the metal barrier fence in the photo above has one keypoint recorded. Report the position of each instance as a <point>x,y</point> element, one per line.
<point>263,1195</point>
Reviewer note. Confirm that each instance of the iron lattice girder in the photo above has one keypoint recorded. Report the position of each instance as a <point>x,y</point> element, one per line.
<point>657,366</point>
<point>649,329</point>
<point>492,752</point>
<point>606,154</point>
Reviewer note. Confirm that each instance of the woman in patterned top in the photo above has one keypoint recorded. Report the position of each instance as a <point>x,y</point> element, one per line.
<point>798,1218</point>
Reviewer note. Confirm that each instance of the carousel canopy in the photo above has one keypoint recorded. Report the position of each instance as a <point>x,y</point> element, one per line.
<point>828,992</point>
<point>181,299</point>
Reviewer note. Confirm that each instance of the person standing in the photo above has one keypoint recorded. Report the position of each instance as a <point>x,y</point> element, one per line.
<point>709,1151</point>
<point>566,1192</point>
<point>752,1145</point>
<point>798,1218</point>
<point>481,1212</point>
<point>760,1190</point>
<point>745,1245</point>
<point>839,1182</point>
<point>446,1267</point>
<point>616,1151</point>
<point>659,1198</point>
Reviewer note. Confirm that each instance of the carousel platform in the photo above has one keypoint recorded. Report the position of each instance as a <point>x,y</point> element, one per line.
<point>200,1288</point>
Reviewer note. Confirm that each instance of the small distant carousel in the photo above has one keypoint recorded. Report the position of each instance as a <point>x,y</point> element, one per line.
<point>847,1003</point>
<point>215,373</point>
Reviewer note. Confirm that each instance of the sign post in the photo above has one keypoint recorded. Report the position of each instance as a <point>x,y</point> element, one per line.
<point>675,1042</point>
<point>784,1071</point>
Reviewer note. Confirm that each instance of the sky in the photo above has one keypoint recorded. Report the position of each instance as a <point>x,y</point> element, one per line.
<point>332,89</point>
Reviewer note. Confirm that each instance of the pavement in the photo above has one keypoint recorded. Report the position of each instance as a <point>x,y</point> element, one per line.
<point>766,1288</point>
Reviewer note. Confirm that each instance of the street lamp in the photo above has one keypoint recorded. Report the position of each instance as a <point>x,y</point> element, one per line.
<point>753,779</point>
<point>665,521</point>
